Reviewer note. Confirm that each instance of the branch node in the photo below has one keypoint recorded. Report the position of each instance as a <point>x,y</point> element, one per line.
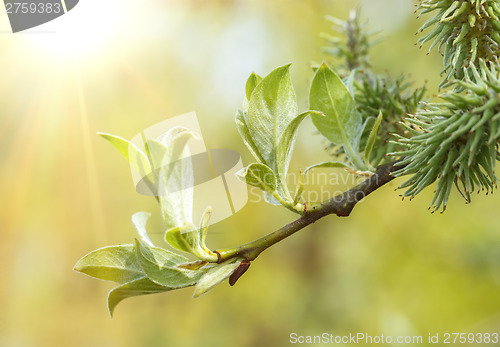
<point>219,257</point>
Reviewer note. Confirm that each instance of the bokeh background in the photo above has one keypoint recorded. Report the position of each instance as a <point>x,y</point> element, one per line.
<point>120,66</point>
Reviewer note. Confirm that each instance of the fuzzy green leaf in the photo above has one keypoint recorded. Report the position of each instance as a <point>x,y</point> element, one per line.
<point>242,126</point>
<point>371,140</point>
<point>190,240</point>
<point>156,154</point>
<point>174,237</point>
<point>299,188</point>
<point>161,266</point>
<point>252,82</point>
<point>215,276</point>
<point>260,176</point>
<point>205,219</point>
<point>270,199</point>
<point>175,189</point>
<point>139,286</point>
<point>286,146</point>
<point>328,164</point>
<point>331,97</point>
<point>131,152</point>
<point>139,220</point>
<point>349,81</point>
<point>114,263</point>
<point>273,106</point>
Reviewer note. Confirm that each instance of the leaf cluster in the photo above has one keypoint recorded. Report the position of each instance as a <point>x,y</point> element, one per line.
<point>268,124</point>
<point>143,268</point>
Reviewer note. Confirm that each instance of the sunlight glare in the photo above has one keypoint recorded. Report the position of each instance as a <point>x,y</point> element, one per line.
<point>87,29</point>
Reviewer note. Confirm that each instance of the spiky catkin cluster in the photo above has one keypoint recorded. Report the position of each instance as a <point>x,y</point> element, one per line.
<point>465,30</point>
<point>455,142</point>
<point>393,97</point>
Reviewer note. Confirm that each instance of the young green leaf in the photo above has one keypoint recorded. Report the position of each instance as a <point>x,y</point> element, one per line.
<point>342,123</point>
<point>271,199</point>
<point>371,141</point>
<point>349,81</point>
<point>252,82</point>
<point>242,126</point>
<point>260,176</point>
<point>194,265</point>
<point>131,152</point>
<point>175,238</point>
<point>176,179</point>
<point>162,267</point>
<point>139,219</point>
<point>287,144</point>
<point>272,107</point>
<point>114,263</point>
<point>156,153</point>
<point>329,164</point>
<point>215,276</point>
<point>299,189</point>
<point>205,219</point>
<point>139,286</point>
<point>188,239</point>
<point>269,131</point>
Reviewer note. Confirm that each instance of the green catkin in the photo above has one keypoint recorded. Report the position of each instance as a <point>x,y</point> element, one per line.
<point>463,137</point>
<point>467,29</point>
<point>460,148</point>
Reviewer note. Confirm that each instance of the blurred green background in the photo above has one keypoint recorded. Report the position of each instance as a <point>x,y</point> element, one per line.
<point>392,268</point>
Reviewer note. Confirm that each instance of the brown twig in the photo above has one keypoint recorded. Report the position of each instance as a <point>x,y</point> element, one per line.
<point>341,205</point>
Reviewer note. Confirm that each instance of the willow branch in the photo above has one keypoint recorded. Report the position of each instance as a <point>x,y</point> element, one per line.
<point>340,205</point>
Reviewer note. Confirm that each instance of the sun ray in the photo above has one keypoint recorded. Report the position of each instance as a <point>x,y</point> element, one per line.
<point>95,199</point>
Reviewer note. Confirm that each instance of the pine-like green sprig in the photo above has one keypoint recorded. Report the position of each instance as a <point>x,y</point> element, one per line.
<point>352,43</point>
<point>455,142</point>
<point>393,97</point>
<point>465,30</point>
